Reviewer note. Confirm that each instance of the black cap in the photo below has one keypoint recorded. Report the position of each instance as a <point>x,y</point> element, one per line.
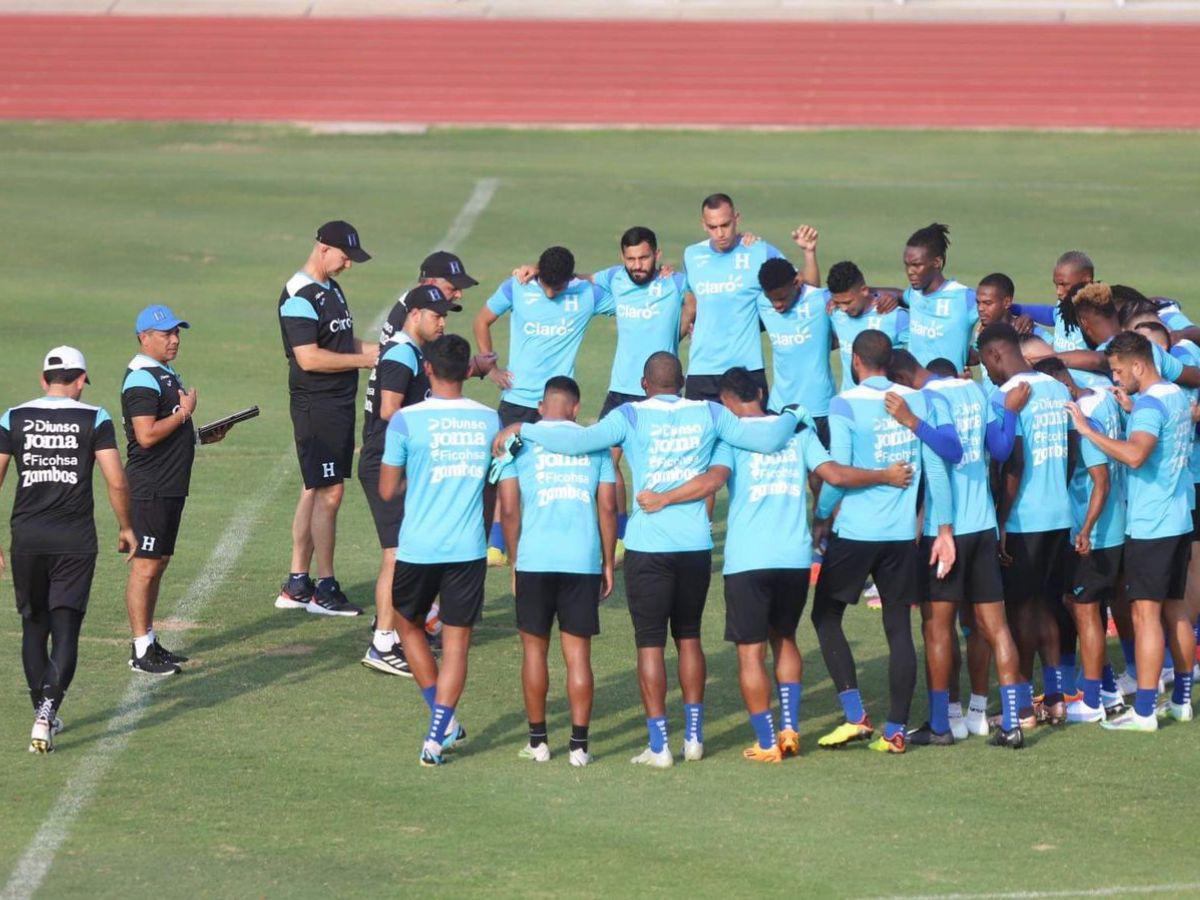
<point>448,266</point>
<point>344,236</point>
<point>427,296</point>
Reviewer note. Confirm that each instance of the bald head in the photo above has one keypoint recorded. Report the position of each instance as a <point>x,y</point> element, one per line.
<point>663,374</point>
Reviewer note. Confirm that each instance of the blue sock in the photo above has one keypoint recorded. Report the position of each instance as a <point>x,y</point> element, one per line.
<point>430,695</point>
<point>1068,674</point>
<point>1108,680</point>
<point>439,718</point>
<point>1144,700</point>
<point>1051,680</point>
<point>764,729</point>
<point>693,722</point>
<point>1130,659</point>
<point>891,729</point>
<point>496,538</point>
<point>657,728</point>
<point>1024,698</point>
<point>1010,702</point>
<point>1181,693</point>
<point>1091,691</point>
<point>1198,629</point>
<point>939,711</point>
<point>622,521</point>
<point>789,705</point>
<point>852,705</point>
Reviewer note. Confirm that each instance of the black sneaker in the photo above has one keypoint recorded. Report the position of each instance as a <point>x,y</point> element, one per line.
<point>331,602</point>
<point>925,736</point>
<point>176,658</point>
<point>295,593</point>
<point>390,662</point>
<point>1014,738</point>
<point>152,662</point>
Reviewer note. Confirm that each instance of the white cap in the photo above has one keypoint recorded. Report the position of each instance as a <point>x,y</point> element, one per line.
<point>64,357</point>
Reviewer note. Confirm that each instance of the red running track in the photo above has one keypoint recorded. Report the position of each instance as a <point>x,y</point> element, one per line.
<point>593,73</point>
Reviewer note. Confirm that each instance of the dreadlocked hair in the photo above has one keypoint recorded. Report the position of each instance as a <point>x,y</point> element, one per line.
<point>935,238</point>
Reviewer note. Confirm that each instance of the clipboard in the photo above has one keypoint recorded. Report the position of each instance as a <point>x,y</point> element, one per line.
<point>205,430</point>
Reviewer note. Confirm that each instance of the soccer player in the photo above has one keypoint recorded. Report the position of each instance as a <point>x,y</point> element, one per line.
<point>984,431</point>
<point>994,301</point>
<point>54,442</point>
<point>668,560</point>
<point>442,445</point>
<point>545,498</point>
<point>942,312</point>
<point>323,357</point>
<point>398,380</point>
<point>768,555</point>
<point>442,270</point>
<point>856,308</point>
<point>1034,512</point>
<point>1156,452</point>
<point>874,534</point>
<point>161,443</point>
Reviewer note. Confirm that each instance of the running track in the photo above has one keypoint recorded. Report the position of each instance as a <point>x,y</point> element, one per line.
<point>594,73</point>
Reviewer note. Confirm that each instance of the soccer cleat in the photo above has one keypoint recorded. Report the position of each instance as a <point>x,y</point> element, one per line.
<point>874,601</point>
<point>152,662</point>
<point>693,751</point>
<point>755,753</point>
<point>660,760</point>
<point>977,723</point>
<point>389,662</point>
<point>177,658</point>
<point>925,736</point>
<point>897,743</point>
<point>1126,684</point>
<point>295,593</point>
<point>1050,713</point>
<point>1013,738</point>
<point>496,558</point>
<point>958,728</point>
<point>1169,709</point>
<point>56,726</point>
<point>1114,703</point>
<point>1028,723</point>
<point>789,742</point>
<point>41,738</point>
<point>847,733</point>
<point>580,758</point>
<point>1131,721</point>
<point>540,753</point>
<point>1079,712</point>
<point>431,755</point>
<point>455,740</point>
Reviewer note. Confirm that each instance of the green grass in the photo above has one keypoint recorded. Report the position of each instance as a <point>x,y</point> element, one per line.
<point>279,766</point>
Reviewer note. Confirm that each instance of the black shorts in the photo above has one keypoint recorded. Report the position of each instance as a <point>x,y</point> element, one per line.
<point>1196,513</point>
<point>666,588</point>
<point>975,576</point>
<point>324,442</point>
<point>613,399</point>
<point>1156,568</point>
<point>512,413</point>
<point>156,525</point>
<point>459,585</point>
<point>847,563</point>
<point>1093,578</point>
<point>573,598</point>
<point>387,513</point>
<point>1037,570</point>
<point>46,581</point>
<point>707,387</point>
<point>763,601</point>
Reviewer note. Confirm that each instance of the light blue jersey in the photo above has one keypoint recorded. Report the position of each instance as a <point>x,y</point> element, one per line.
<point>800,342</point>
<point>862,434</point>
<point>767,527</point>
<point>726,289</point>
<point>647,322</point>
<point>1105,415</point>
<point>847,327</point>
<point>668,442</point>
<point>1065,339</point>
<point>1169,367</point>
<point>1042,502</point>
<point>1173,317</point>
<point>941,323</point>
<point>1189,354</point>
<point>1160,490</point>
<point>964,404</point>
<point>545,333</point>
<point>560,531</point>
<point>445,447</point>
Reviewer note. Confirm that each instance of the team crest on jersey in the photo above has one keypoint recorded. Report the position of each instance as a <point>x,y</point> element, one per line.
<point>656,289</point>
<point>741,260</point>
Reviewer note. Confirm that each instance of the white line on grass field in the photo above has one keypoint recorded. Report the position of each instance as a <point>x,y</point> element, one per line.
<point>1122,891</point>
<point>35,862</point>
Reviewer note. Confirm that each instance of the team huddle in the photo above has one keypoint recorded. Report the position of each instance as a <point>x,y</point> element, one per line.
<point>1025,509</point>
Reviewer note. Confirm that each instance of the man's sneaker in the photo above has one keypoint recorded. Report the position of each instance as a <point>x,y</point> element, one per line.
<point>660,760</point>
<point>1169,709</point>
<point>1131,721</point>
<point>332,602</point>
<point>152,662</point>
<point>925,736</point>
<point>693,751</point>
<point>789,742</point>
<point>847,733</point>
<point>958,728</point>
<point>977,723</point>
<point>871,594</point>
<point>540,753</point>
<point>1114,703</point>
<point>897,743</point>
<point>755,753</point>
<point>295,593</point>
<point>580,758</point>
<point>41,738</point>
<point>1013,738</point>
<point>431,755</point>
<point>177,658</point>
<point>454,739</point>
<point>1127,684</point>
<point>496,558</point>
<point>389,662</point>
<point>1079,712</point>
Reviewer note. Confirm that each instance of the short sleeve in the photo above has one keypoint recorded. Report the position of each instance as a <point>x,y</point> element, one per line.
<point>939,409</point>
<point>972,309</point>
<point>1174,318</point>
<point>1148,415</point>
<point>140,394</point>
<point>680,282</point>
<point>608,474</point>
<point>1089,452</point>
<point>104,435</point>
<point>901,339</point>
<point>501,301</point>
<point>605,303</point>
<point>722,455</point>
<point>508,471</point>
<point>603,279</point>
<point>301,325</point>
<point>1168,366</point>
<point>814,452</point>
<point>6,434</point>
<point>396,369</point>
<point>395,442</point>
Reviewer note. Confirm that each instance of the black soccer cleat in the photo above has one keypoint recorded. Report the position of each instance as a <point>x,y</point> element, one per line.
<point>1014,738</point>
<point>153,662</point>
<point>176,658</point>
<point>925,736</point>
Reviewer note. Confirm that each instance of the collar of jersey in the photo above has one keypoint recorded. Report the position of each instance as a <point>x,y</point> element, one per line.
<point>51,399</point>
<point>142,361</point>
<point>878,382</point>
<point>325,284</point>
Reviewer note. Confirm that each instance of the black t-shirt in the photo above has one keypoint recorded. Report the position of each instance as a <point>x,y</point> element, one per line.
<point>394,323</point>
<point>314,313</point>
<point>53,443</point>
<point>399,370</point>
<point>152,388</point>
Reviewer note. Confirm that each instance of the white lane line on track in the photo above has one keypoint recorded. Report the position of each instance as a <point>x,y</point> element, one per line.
<point>33,866</point>
<point>1122,891</point>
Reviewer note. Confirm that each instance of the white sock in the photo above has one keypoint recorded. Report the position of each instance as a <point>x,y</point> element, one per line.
<point>384,640</point>
<point>977,704</point>
<point>142,644</point>
<point>956,710</point>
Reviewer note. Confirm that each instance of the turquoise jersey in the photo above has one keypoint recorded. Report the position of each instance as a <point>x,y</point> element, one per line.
<point>726,289</point>
<point>1042,502</point>
<point>847,327</point>
<point>1189,354</point>
<point>942,323</point>
<point>1160,490</point>
<point>668,442</point>
<point>560,531</point>
<point>767,527</point>
<point>1105,415</point>
<point>545,333</point>
<point>1065,339</point>
<point>1173,317</point>
<point>445,447</point>
<point>862,434</point>
<point>800,342</point>
<point>963,403</point>
<point>647,322</point>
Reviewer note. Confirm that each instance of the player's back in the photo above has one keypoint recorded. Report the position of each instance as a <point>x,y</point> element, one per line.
<point>1099,406</point>
<point>1042,502</point>
<point>1160,490</point>
<point>963,403</point>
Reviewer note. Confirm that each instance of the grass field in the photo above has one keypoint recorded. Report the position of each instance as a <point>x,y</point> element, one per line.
<point>278,766</point>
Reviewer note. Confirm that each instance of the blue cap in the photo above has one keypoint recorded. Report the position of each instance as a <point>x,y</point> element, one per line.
<point>157,318</point>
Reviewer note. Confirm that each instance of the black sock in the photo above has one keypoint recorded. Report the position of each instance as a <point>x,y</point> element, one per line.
<point>579,737</point>
<point>297,576</point>
<point>537,734</point>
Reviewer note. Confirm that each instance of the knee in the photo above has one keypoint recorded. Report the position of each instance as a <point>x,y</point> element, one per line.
<point>330,498</point>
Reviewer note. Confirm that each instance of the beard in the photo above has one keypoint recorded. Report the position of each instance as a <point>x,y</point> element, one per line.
<point>640,278</point>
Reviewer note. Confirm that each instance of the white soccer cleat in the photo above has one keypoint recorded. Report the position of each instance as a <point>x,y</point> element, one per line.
<point>693,751</point>
<point>958,727</point>
<point>1126,684</point>
<point>1131,721</point>
<point>540,753</point>
<point>1079,712</point>
<point>580,758</point>
<point>41,738</point>
<point>1180,712</point>
<point>976,722</point>
<point>660,760</point>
